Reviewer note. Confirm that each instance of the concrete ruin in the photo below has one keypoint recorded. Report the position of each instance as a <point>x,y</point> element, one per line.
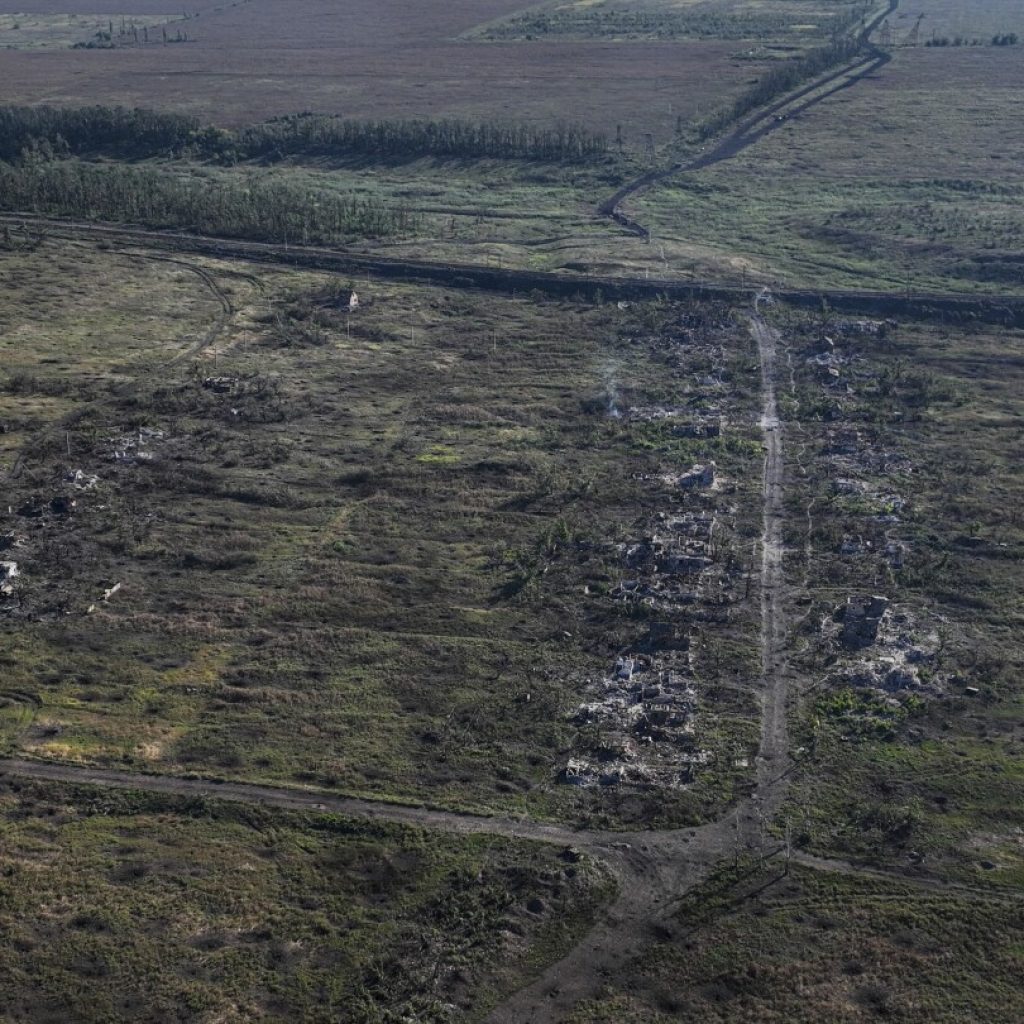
<point>137,446</point>
<point>697,476</point>
<point>644,708</point>
<point>861,618</point>
<point>220,385</point>
<point>81,480</point>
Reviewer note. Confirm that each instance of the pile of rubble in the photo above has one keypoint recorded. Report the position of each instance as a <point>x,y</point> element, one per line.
<point>637,721</point>
<point>42,516</point>
<point>685,421</point>
<point>8,572</point>
<point>672,564</point>
<point>894,653</point>
<point>880,648</point>
<point>138,446</point>
<point>643,712</point>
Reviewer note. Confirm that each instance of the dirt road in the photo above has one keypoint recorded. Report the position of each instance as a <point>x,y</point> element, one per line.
<point>1002,308</point>
<point>773,760</point>
<point>664,866</point>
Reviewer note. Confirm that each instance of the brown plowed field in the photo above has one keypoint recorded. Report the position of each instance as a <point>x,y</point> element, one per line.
<point>378,58</point>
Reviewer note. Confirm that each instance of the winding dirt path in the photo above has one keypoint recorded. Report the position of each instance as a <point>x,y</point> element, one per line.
<point>215,329</point>
<point>207,339</point>
<point>913,879</point>
<point>764,121</point>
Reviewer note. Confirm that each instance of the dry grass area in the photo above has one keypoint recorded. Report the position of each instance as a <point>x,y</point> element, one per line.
<point>120,314</point>
<point>930,113</point>
<point>121,908</point>
<point>953,18</point>
<point>392,59</point>
<point>60,31</point>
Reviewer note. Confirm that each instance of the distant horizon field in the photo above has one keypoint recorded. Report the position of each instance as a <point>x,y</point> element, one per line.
<point>249,61</point>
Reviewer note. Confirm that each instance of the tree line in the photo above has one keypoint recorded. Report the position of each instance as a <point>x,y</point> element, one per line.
<point>114,132</point>
<point>784,78</point>
<point>253,209</point>
<point>318,135</point>
<point>122,133</point>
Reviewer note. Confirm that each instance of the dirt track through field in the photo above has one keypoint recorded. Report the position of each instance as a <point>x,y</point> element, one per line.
<point>205,341</point>
<point>1005,308</point>
<point>761,124</point>
<point>672,863</point>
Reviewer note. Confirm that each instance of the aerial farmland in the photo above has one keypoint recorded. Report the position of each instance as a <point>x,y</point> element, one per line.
<point>511,513</point>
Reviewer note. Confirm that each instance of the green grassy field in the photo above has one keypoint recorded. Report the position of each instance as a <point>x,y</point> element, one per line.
<point>758,945</point>
<point>375,552</point>
<point>131,907</point>
<point>536,216</point>
<point>906,179</point>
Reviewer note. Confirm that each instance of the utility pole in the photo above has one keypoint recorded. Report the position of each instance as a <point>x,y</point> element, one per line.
<point>914,35</point>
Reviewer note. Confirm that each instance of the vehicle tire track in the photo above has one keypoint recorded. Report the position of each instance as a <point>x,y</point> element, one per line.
<point>757,127</point>
<point>120,389</point>
<point>834,865</point>
<point>217,327</point>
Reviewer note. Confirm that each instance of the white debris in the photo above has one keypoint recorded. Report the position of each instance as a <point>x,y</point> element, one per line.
<point>81,480</point>
<point>135,447</point>
<point>8,572</point>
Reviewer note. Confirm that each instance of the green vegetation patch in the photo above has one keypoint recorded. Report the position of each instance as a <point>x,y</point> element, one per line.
<point>762,944</point>
<point>763,22</point>
<point>855,193</point>
<point>122,906</point>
